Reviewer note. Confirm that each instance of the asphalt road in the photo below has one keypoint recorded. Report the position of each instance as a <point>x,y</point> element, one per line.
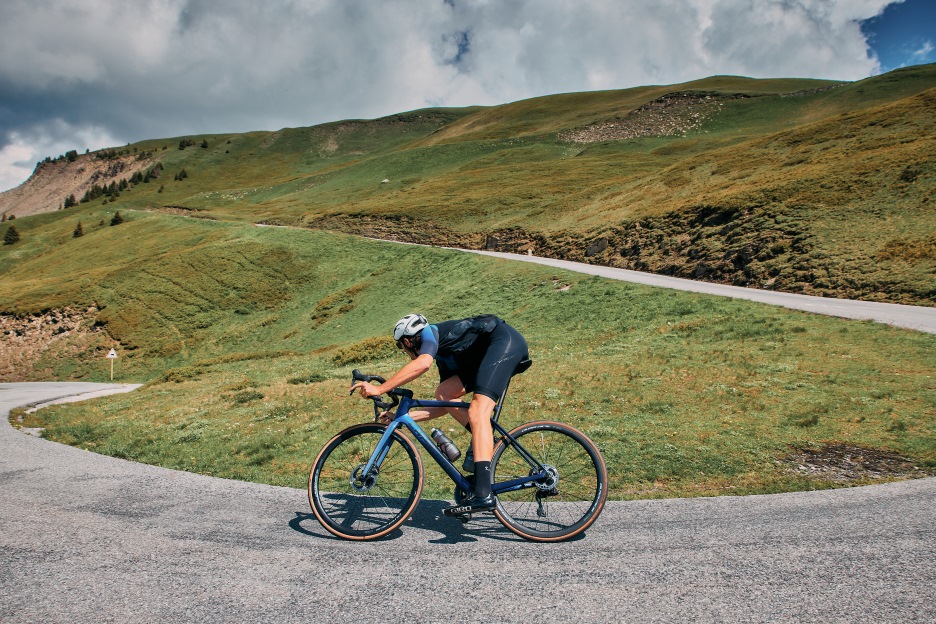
<point>88,538</point>
<point>919,318</point>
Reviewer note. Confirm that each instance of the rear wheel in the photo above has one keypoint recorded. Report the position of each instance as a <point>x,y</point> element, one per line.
<point>358,506</point>
<point>569,495</point>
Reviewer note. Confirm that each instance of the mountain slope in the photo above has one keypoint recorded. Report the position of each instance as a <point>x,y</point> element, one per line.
<point>800,185</point>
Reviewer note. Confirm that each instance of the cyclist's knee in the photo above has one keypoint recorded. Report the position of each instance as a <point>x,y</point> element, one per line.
<point>480,409</point>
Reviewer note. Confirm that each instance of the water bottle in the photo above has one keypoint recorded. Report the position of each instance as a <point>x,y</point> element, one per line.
<point>445,445</point>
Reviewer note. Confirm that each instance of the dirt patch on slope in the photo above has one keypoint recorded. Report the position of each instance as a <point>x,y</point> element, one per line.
<point>27,341</point>
<point>673,114</point>
<point>401,229</point>
<point>842,463</point>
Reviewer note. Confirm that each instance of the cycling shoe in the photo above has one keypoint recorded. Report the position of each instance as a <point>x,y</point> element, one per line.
<point>472,505</point>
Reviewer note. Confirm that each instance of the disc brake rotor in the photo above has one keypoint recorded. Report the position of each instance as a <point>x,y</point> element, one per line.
<point>551,481</point>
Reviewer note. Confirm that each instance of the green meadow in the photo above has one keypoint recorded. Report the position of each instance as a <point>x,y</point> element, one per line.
<point>809,186</point>
<point>245,334</point>
<point>245,338</point>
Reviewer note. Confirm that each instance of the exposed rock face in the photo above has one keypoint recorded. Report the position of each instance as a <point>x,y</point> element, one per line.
<point>51,182</point>
<point>769,247</point>
<point>674,114</point>
<point>26,340</point>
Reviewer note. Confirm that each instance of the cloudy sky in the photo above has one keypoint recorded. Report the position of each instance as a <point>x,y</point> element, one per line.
<point>77,74</point>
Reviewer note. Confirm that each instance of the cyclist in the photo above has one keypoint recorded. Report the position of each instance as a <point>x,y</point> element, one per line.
<point>477,354</point>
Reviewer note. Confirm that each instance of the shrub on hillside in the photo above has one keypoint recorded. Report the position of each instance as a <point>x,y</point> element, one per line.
<point>366,351</point>
<point>11,236</point>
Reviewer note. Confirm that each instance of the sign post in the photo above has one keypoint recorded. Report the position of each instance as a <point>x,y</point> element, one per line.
<point>112,355</point>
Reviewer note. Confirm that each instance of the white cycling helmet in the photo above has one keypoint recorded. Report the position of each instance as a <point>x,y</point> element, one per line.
<point>409,325</point>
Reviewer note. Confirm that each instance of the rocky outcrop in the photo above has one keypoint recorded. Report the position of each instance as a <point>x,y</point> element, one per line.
<point>768,247</point>
<point>52,182</point>
<point>26,341</point>
<point>674,114</point>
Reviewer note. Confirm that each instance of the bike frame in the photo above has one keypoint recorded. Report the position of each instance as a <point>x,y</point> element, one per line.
<point>402,418</point>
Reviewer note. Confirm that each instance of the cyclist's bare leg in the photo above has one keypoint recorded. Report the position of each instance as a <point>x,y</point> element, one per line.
<point>482,443</point>
<point>451,389</point>
<point>482,435</point>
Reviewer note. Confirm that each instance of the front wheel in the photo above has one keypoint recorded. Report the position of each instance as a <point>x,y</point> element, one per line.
<point>569,495</point>
<point>358,506</point>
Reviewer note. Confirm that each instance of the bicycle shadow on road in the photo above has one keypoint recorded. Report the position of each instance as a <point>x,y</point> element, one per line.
<point>428,517</point>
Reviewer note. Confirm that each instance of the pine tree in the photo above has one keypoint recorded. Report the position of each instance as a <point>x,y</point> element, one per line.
<point>12,236</point>
<point>79,231</point>
<point>117,219</point>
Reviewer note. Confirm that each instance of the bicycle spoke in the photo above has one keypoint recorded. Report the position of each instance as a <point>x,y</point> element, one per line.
<point>358,506</point>
<point>565,502</point>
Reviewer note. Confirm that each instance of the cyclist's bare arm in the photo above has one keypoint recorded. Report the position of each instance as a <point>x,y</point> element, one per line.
<point>408,373</point>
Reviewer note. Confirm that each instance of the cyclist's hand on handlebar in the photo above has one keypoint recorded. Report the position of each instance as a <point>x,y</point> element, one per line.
<point>366,389</point>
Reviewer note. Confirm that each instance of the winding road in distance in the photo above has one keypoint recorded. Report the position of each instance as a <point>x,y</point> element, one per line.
<point>920,318</point>
<point>89,538</point>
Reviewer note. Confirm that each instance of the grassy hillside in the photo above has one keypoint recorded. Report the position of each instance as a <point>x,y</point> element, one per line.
<point>798,185</point>
<point>246,337</point>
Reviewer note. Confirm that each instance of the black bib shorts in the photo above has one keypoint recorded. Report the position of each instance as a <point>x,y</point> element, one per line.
<point>486,367</point>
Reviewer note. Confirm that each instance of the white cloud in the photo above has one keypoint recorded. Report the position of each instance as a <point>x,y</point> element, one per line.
<point>19,156</point>
<point>15,159</point>
<point>163,68</point>
<point>924,53</point>
<point>58,43</point>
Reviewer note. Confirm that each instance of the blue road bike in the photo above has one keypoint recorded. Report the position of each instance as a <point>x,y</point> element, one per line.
<point>549,478</point>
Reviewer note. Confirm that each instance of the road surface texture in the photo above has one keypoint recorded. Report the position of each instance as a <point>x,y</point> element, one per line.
<point>88,538</point>
<point>920,318</point>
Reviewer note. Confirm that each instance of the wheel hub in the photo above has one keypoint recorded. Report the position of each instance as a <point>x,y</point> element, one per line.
<point>550,481</point>
<point>365,483</point>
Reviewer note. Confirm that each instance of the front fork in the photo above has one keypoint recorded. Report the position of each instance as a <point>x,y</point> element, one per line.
<point>372,467</point>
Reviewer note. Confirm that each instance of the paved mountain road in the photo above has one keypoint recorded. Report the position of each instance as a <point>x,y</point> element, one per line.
<point>88,538</point>
<point>920,318</point>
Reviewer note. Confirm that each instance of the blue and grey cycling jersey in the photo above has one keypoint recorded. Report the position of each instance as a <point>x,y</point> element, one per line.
<point>430,346</point>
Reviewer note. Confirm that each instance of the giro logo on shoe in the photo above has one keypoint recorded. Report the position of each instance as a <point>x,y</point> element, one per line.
<point>457,511</point>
